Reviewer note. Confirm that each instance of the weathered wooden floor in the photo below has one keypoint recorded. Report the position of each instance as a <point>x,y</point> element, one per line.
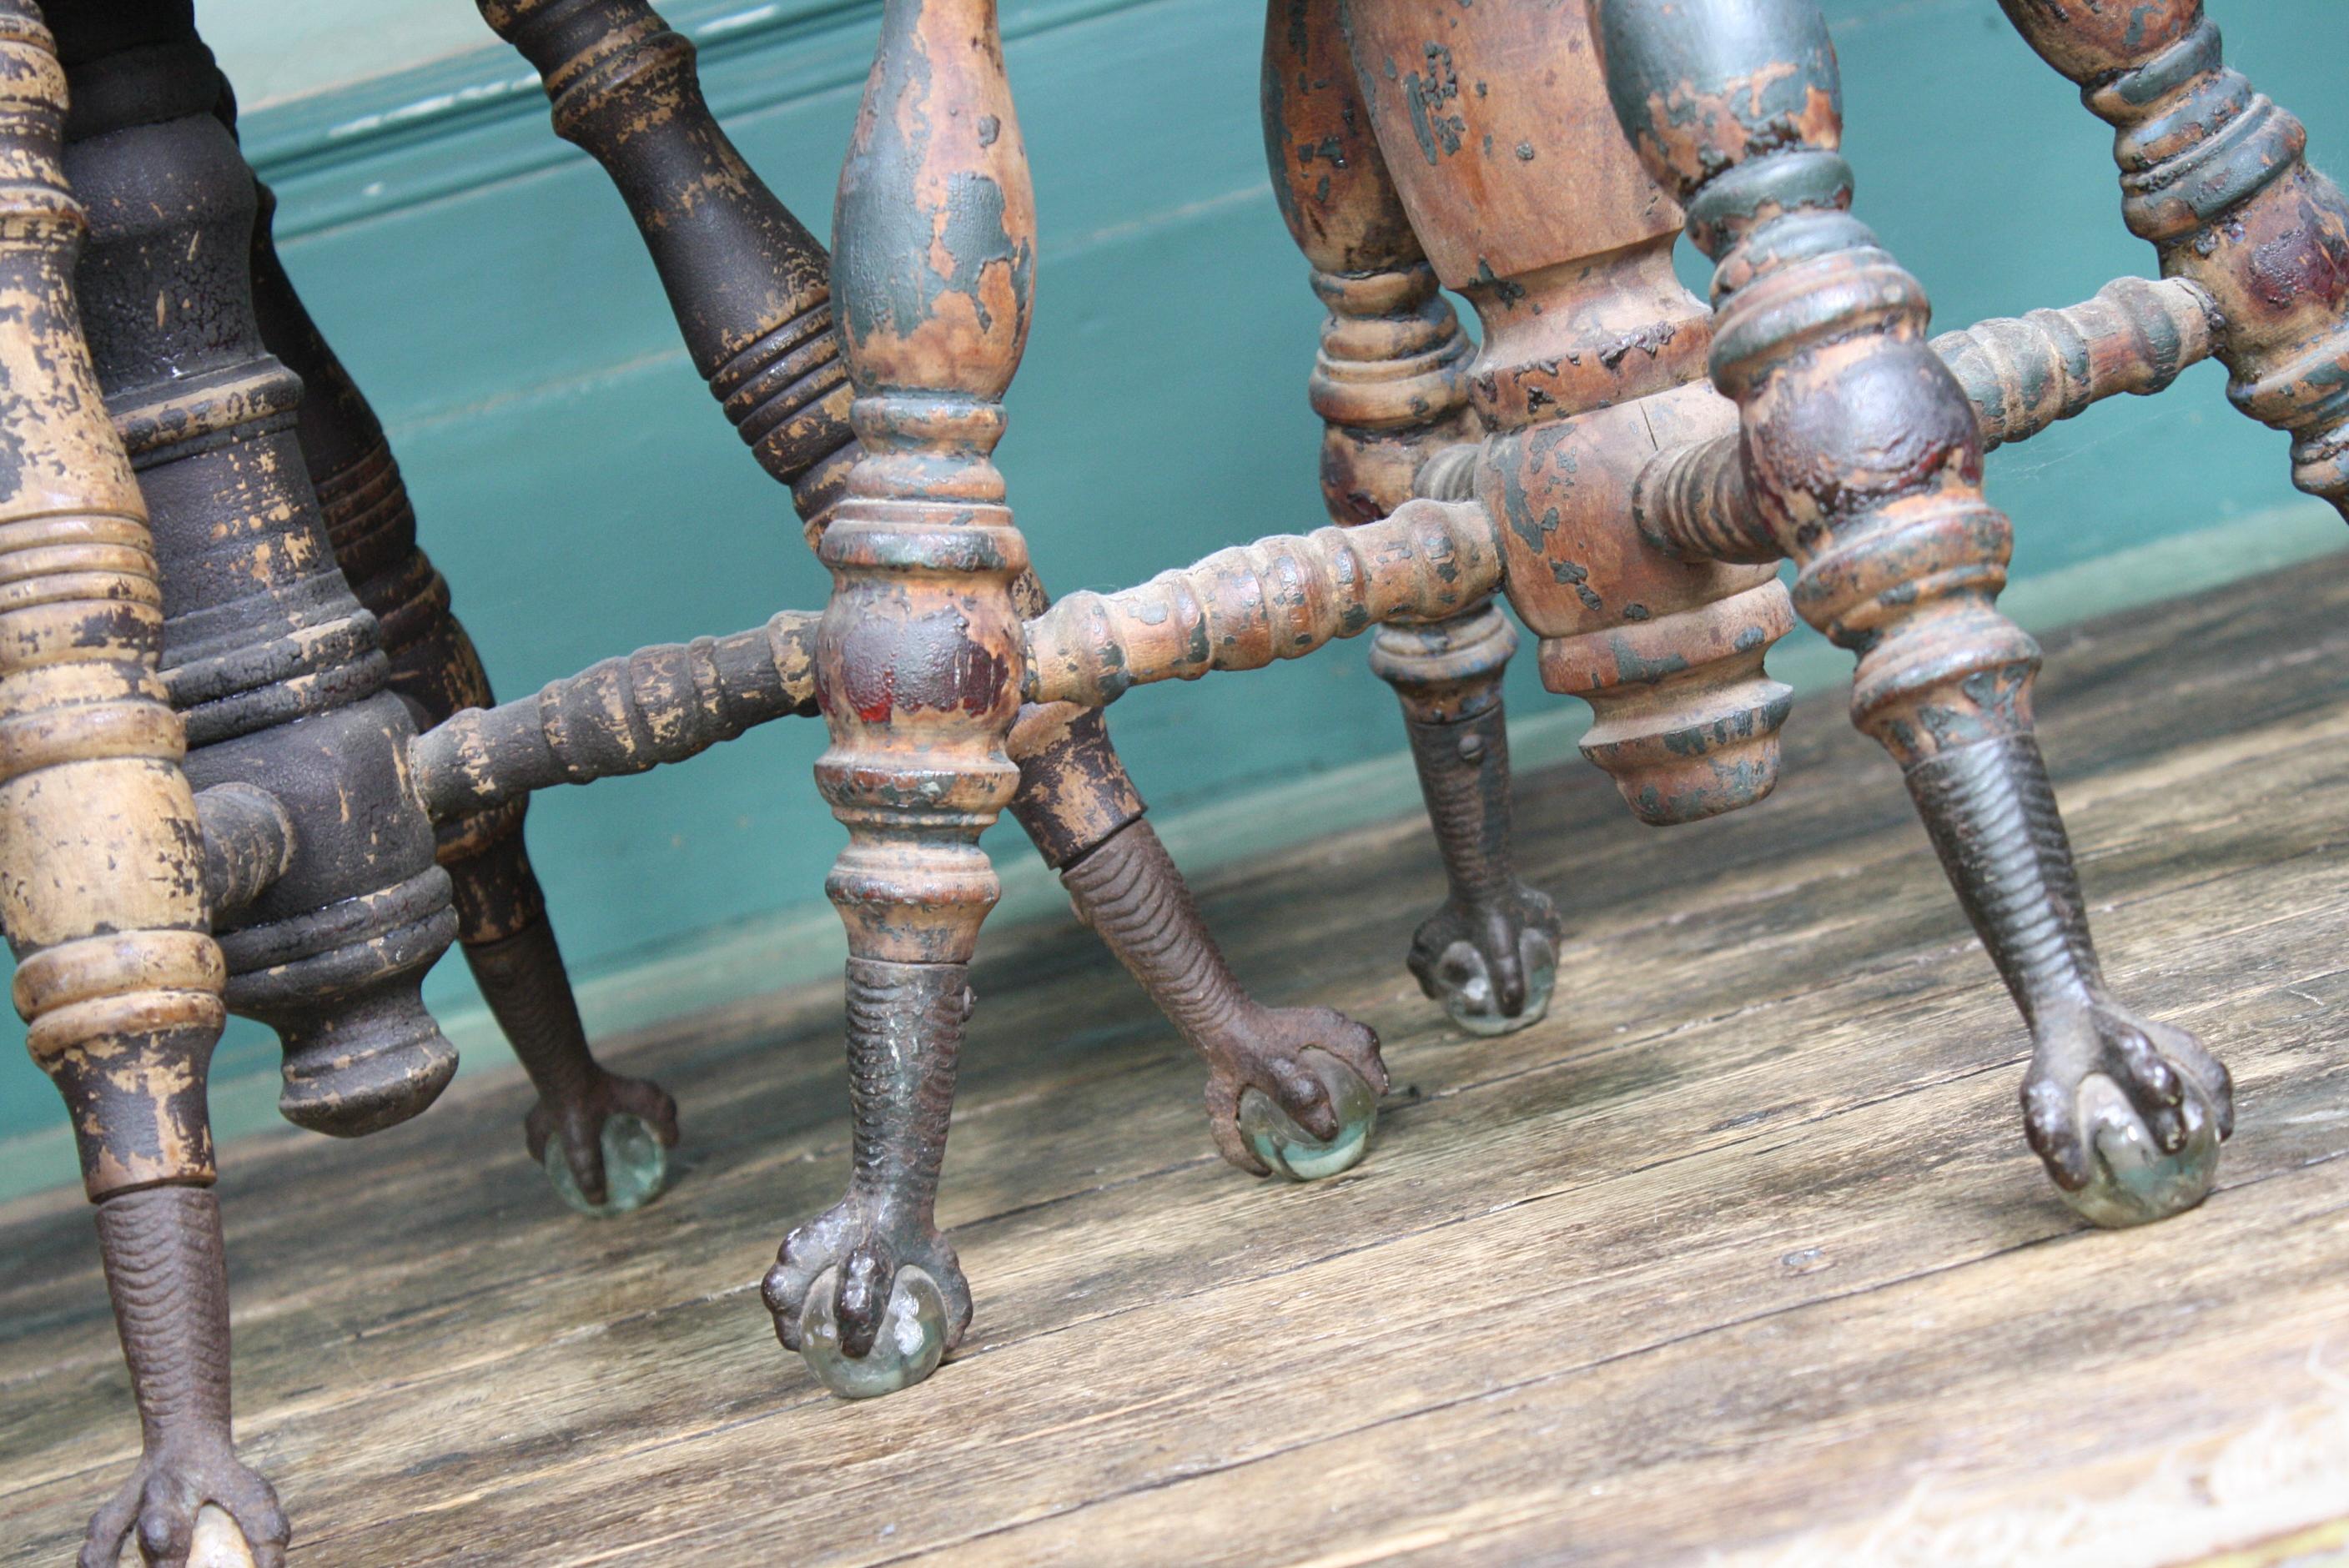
<point>1738,1257</point>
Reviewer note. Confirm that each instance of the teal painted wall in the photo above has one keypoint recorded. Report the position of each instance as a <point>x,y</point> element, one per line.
<point>583,495</point>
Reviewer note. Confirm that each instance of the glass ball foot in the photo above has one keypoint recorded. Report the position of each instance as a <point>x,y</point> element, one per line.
<point>1469,998</point>
<point>1295,1153</point>
<point>2135,1182</point>
<point>913,1337</point>
<point>636,1168</point>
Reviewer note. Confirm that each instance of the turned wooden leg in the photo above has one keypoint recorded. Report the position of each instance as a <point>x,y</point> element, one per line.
<point>601,1136</point>
<point>1390,382</point>
<point>917,663</point>
<point>2214,174</point>
<point>750,289</point>
<point>1860,457</point>
<point>277,670</point>
<point>102,885</point>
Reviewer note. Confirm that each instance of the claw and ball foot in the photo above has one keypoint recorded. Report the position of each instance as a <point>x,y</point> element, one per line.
<point>2128,1115</point>
<point>1290,1090</point>
<point>603,1138</point>
<point>1490,954</point>
<point>869,1291</point>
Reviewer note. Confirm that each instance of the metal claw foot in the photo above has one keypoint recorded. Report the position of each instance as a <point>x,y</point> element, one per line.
<point>1494,969</point>
<point>871,1304</point>
<point>1292,1091</point>
<point>606,1150</point>
<point>2127,1115</point>
<point>190,1502</point>
<point>1273,1136</point>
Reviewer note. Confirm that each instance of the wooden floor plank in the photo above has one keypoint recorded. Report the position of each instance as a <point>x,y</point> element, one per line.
<point>1738,1249</point>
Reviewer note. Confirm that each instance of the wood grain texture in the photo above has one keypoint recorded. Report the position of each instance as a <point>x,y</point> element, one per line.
<point>1736,1249</point>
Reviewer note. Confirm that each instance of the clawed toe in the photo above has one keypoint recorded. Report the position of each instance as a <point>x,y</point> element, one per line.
<point>1332,1138</point>
<point>187,1508</point>
<point>1295,1093</point>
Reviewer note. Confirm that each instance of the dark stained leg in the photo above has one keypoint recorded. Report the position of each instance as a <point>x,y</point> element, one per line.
<point>584,1113</point>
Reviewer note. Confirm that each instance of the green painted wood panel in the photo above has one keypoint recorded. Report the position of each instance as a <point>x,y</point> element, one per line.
<point>584,495</point>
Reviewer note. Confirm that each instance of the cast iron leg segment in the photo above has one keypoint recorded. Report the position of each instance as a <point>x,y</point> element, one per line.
<point>919,664</point>
<point>1861,458</point>
<point>601,1137</point>
<point>189,1496</point>
<point>1390,382</point>
<point>1490,954</point>
<point>102,860</point>
<point>1291,1090</point>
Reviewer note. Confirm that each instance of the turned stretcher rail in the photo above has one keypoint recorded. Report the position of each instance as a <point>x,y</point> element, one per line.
<point>1279,598</point>
<point>2024,373</point>
<point>661,704</point>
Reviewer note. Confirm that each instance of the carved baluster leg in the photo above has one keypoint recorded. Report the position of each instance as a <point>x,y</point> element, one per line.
<point>276,669</point>
<point>1391,386</point>
<point>749,286</point>
<point>1860,457</point>
<point>918,663</point>
<point>2212,173</point>
<point>102,857</point>
<point>600,1135</point>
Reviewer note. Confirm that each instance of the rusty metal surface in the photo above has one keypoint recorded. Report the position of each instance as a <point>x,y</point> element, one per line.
<point>1578,462</point>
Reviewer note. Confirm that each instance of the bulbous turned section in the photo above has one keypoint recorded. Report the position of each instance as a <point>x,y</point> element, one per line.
<point>1279,598</point>
<point>1390,380</point>
<point>1391,384</point>
<point>342,987</point>
<point>276,669</point>
<point>1667,647</point>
